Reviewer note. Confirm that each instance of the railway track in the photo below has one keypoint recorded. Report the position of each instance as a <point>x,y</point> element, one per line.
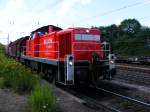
<point>136,79</point>
<point>133,77</point>
<point>125,97</point>
<point>92,103</point>
<point>89,101</point>
<point>139,75</point>
<point>143,69</point>
<point>122,97</point>
<point>135,64</point>
<point>93,99</point>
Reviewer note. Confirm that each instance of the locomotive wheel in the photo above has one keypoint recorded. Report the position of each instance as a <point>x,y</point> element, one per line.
<point>107,75</point>
<point>82,80</point>
<point>51,75</point>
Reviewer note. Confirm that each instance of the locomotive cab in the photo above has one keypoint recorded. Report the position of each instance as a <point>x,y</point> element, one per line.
<point>90,60</point>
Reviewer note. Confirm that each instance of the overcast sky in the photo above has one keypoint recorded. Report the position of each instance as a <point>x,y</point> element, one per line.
<point>19,17</point>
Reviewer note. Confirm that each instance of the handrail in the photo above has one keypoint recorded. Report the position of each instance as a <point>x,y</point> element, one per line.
<point>75,49</point>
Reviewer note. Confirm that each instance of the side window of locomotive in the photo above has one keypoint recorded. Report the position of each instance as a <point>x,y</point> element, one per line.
<point>43,33</point>
<point>46,33</point>
<point>88,37</point>
<point>31,36</point>
<point>97,37</point>
<point>78,37</point>
<point>39,34</point>
<point>34,35</point>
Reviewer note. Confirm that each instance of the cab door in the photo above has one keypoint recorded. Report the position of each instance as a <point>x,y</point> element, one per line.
<point>66,69</point>
<point>65,44</point>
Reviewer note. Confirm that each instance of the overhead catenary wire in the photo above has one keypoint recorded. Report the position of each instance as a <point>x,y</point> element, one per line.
<point>110,12</point>
<point>145,17</point>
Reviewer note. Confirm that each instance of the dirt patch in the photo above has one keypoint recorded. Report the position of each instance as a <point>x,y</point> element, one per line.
<point>11,102</point>
<point>68,103</point>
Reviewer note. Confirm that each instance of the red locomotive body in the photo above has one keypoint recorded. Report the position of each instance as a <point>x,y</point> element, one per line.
<point>86,43</point>
<point>36,44</point>
<point>70,56</point>
<point>48,47</point>
<point>80,42</point>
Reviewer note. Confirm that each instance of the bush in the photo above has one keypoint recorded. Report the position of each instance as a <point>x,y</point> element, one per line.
<point>8,76</point>
<point>19,78</point>
<point>1,82</point>
<point>24,83</point>
<point>22,80</point>
<point>42,99</point>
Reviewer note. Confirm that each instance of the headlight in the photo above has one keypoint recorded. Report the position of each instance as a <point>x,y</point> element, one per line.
<point>112,62</point>
<point>70,63</point>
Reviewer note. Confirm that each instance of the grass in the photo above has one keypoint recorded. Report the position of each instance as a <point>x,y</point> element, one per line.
<point>1,82</point>
<point>20,79</point>
<point>42,99</point>
<point>15,75</point>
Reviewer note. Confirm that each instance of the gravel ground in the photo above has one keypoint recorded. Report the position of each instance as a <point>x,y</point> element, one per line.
<point>11,102</point>
<point>138,80</point>
<point>130,90</point>
<point>127,106</point>
<point>133,77</point>
<point>69,103</point>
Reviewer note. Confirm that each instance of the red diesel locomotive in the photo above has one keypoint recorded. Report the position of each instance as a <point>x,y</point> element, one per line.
<point>71,56</point>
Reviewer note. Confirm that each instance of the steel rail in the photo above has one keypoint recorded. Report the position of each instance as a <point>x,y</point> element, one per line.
<point>130,67</point>
<point>125,97</point>
<point>86,100</point>
<point>112,109</point>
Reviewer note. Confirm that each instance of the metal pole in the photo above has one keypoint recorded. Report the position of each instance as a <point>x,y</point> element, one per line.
<point>8,39</point>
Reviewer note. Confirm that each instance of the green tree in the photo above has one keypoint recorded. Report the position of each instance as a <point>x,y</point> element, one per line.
<point>129,27</point>
<point>109,32</point>
<point>121,41</point>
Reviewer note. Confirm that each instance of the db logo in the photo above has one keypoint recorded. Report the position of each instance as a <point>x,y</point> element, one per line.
<point>48,41</point>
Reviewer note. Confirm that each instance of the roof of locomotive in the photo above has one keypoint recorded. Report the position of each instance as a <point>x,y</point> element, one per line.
<point>46,28</point>
<point>83,30</point>
<point>23,39</point>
